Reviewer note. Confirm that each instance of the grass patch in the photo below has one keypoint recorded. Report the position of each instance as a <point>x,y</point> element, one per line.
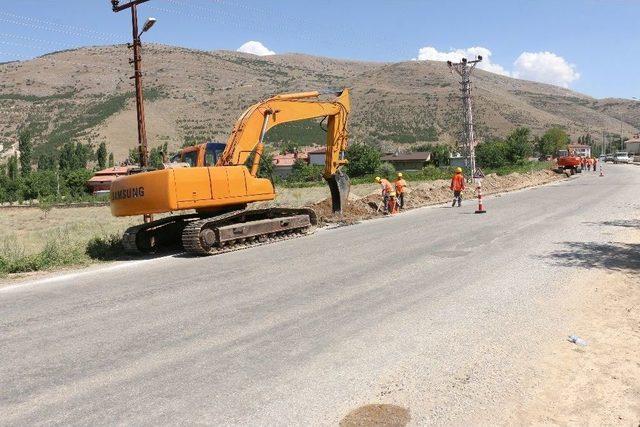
<point>58,251</point>
<point>34,98</point>
<point>92,116</point>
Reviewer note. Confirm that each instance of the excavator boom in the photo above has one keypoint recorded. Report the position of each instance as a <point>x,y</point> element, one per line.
<point>250,129</point>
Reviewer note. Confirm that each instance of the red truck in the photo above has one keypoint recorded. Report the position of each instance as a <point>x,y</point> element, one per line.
<point>569,162</point>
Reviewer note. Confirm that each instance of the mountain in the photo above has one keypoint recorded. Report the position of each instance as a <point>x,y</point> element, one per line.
<point>191,95</point>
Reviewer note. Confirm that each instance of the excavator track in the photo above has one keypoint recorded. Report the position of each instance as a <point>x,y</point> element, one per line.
<point>250,228</point>
<point>148,237</point>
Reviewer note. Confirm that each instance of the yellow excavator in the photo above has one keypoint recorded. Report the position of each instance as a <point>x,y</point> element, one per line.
<point>219,181</point>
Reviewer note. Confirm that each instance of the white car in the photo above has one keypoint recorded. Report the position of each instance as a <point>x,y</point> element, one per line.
<point>621,157</point>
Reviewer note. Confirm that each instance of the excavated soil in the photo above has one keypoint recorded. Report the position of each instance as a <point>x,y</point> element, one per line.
<point>430,193</point>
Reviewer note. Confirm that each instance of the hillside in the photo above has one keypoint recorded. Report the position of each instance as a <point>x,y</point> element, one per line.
<point>86,95</point>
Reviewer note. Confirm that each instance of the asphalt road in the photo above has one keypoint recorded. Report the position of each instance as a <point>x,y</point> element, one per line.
<point>437,310</point>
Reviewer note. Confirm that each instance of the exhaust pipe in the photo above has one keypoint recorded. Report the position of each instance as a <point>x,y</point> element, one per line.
<point>340,185</point>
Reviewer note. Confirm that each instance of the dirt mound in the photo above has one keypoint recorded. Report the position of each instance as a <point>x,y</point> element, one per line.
<point>430,193</point>
<point>356,210</point>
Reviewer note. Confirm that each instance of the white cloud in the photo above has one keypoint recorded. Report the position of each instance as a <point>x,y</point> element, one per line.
<point>255,48</point>
<point>455,55</point>
<point>545,67</point>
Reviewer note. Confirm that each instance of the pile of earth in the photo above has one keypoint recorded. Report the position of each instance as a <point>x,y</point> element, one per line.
<point>430,193</point>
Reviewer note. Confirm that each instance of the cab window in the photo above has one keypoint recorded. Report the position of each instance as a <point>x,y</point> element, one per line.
<point>190,157</point>
<point>213,153</point>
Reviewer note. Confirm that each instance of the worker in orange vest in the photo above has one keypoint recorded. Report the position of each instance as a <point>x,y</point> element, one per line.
<point>387,190</point>
<point>401,185</point>
<point>595,163</point>
<point>457,185</point>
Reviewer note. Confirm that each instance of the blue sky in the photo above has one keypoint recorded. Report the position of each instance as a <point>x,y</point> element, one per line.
<point>587,45</point>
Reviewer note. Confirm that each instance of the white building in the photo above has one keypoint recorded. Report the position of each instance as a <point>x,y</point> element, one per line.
<point>633,145</point>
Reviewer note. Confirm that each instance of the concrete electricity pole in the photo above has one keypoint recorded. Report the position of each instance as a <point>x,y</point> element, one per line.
<point>464,70</point>
<point>137,76</point>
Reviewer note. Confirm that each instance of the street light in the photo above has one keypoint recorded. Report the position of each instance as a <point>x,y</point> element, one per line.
<point>147,25</point>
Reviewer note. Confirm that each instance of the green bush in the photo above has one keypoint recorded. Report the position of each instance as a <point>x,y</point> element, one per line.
<point>386,170</point>
<point>492,154</point>
<point>363,160</point>
<point>105,248</point>
<point>303,172</point>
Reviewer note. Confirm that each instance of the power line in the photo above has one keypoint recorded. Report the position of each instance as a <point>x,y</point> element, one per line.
<point>72,28</point>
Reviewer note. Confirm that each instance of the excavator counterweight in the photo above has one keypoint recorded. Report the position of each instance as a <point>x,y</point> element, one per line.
<point>219,181</point>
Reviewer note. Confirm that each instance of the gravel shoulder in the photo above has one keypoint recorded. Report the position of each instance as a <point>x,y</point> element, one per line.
<point>596,384</point>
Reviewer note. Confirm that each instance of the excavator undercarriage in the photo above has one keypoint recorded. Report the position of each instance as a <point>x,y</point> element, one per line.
<point>221,233</point>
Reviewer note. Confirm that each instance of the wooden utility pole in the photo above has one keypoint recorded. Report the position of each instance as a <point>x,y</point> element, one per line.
<point>464,70</point>
<point>137,76</point>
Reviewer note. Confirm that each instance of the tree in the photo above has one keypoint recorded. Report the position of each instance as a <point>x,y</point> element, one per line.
<point>111,161</point>
<point>12,167</point>
<point>492,154</point>
<point>553,140</point>
<point>67,155</point>
<point>519,145</point>
<point>81,156</point>
<point>386,170</point>
<point>156,156</point>
<point>76,181</point>
<point>266,164</point>
<point>46,162</point>
<point>363,159</point>
<point>101,155</point>
<point>440,155</point>
<point>290,147</point>
<point>134,156</point>
<point>24,145</point>
<point>301,171</point>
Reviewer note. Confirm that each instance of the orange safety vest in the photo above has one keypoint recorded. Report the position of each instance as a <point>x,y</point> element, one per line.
<point>387,188</point>
<point>400,185</point>
<point>457,182</point>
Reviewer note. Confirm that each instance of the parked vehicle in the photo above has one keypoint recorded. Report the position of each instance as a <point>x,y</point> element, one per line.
<point>567,161</point>
<point>608,158</point>
<point>621,157</point>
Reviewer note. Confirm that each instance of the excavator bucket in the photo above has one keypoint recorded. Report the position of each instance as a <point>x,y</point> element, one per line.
<point>339,185</point>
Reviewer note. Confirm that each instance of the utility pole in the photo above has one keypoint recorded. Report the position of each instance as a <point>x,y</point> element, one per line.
<point>464,69</point>
<point>137,76</point>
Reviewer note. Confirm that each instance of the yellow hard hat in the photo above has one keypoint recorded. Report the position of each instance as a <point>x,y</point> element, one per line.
<point>399,174</point>
<point>377,179</point>
<point>458,170</point>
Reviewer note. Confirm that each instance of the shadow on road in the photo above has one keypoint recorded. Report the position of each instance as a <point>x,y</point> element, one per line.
<point>626,223</point>
<point>611,256</point>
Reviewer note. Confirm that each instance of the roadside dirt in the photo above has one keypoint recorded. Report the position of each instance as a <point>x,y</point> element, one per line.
<point>431,193</point>
<point>596,384</point>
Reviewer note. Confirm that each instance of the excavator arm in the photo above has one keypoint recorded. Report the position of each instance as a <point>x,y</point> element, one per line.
<point>249,131</point>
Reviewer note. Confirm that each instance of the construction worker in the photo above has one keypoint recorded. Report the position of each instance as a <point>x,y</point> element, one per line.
<point>595,163</point>
<point>457,185</point>
<point>401,185</point>
<point>387,189</point>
